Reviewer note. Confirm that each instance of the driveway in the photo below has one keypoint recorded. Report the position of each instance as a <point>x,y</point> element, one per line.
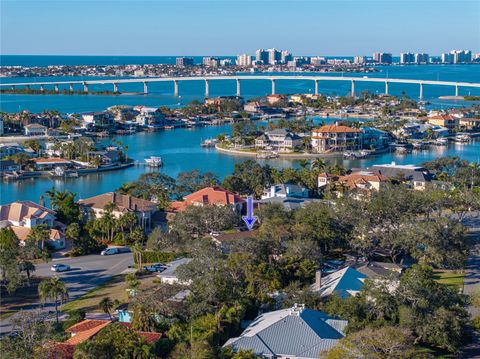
<point>87,272</point>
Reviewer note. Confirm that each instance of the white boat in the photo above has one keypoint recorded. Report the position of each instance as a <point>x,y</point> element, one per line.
<point>211,142</point>
<point>267,155</point>
<point>154,161</point>
<point>462,138</point>
<point>441,141</point>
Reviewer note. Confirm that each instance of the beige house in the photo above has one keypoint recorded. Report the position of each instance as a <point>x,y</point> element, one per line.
<point>143,209</point>
<point>331,138</point>
<point>22,216</point>
<point>35,129</point>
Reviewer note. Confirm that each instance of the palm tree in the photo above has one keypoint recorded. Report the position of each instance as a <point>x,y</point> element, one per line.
<point>28,267</point>
<point>53,288</point>
<point>106,304</point>
<point>303,163</point>
<point>39,234</point>
<point>318,164</point>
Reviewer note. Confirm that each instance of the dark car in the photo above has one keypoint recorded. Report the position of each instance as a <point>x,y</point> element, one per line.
<point>156,267</point>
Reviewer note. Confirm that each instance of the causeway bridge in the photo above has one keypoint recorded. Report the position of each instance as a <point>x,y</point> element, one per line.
<point>239,79</point>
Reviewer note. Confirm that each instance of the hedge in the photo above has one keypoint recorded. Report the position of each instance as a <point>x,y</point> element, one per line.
<point>154,256</point>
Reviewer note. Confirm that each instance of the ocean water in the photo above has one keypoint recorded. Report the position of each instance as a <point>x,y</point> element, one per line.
<point>180,148</point>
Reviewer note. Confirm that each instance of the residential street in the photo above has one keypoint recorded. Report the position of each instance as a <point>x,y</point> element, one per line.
<point>87,272</point>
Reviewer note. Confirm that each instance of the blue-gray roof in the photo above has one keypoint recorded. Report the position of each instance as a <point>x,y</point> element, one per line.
<point>298,332</point>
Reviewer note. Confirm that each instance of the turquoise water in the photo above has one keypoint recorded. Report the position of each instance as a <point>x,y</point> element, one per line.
<point>180,148</point>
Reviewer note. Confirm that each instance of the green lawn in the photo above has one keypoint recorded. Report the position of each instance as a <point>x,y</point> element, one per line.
<point>115,289</point>
<point>452,278</point>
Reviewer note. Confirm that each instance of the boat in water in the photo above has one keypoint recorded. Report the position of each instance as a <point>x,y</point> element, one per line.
<point>442,141</point>
<point>267,155</point>
<point>211,142</point>
<point>154,161</point>
<point>462,138</point>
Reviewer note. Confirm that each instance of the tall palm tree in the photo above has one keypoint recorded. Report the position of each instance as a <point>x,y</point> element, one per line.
<point>106,305</point>
<point>53,288</point>
<point>39,234</point>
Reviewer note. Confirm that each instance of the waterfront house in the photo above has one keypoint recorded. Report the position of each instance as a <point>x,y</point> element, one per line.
<point>35,129</point>
<point>417,176</point>
<point>331,138</point>
<point>253,106</point>
<point>101,119</point>
<point>216,196</point>
<point>22,216</point>
<point>448,121</point>
<point>284,190</point>
<point>143,209</point>
<point>149,117</point>
<point>374,138</point>
<point>9,166</point>
<point>46,164</point>
<point>295,332</point>
<point>345,282</point>
<point>107,158</point>
<point>278,140</point>
<point>470,123</point>
<point>276,98</point>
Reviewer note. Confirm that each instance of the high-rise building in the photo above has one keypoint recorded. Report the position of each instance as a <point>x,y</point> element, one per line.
<point>274,56</point>
<point>447,58</point>
<point>285,56</point>
<point>184,61</point>
<point>421,58</point>
<point>461,56</point>
<point>407,58</point>
<point>359,59</point>
<point>244,60</point>
<point>261,55</point>
<point>382,57</point>
<point>210,61</point>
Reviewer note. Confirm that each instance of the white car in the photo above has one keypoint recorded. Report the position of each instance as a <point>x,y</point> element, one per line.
<point>109,251</point>
<point>60,268</point>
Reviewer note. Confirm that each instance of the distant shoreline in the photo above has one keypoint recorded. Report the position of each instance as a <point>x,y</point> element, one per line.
<point>292,156</point>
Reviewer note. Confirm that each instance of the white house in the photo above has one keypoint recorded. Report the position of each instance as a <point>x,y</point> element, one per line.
<point>285,190</point>
<point>169,275</point>
<point>278,140</point>
<point>35,129</point>
<point>150,117</point>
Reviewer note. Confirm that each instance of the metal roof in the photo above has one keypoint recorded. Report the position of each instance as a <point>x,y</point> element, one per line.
<point>298,332</point>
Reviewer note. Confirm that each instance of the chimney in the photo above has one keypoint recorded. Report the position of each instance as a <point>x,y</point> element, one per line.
<point>287,188</point>
<point>272,191</point>
<point>129,201</point>
<point>318,279</point>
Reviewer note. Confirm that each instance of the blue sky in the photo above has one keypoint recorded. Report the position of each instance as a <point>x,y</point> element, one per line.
<point>198,27</point>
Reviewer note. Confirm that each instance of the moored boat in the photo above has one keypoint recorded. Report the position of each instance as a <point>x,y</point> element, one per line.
<point>154,161</point>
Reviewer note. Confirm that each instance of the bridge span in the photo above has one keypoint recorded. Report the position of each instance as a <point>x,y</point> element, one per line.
<point>239,79</point>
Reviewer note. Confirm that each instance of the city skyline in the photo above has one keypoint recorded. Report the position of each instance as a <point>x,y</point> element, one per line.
<point>197,28</point>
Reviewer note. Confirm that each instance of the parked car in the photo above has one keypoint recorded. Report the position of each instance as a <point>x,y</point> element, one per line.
<point>155,267</point>
<point>109,251</point>
<point>60,268</point>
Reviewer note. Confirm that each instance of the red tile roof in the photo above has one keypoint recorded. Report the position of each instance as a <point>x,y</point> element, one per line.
<point>150,337</point>
<point>86,324</point>
<point>336,129</point>
<point>208,195</point>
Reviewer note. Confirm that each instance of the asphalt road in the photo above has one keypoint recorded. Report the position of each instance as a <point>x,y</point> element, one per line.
<point>87,272</point>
